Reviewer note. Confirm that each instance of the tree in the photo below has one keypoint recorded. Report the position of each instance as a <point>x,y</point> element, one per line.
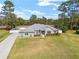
<point>61,24</point>
<point>10,17</point>
<point>44,20</point>
<point>8,8</point>
<point>11,21</point>
<point>33,19</point>
<point>21,21</point>
<point>69,9</point>
<point>50,21</point>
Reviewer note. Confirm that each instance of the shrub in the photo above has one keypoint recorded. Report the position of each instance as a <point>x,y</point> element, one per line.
<point>77,31</point>
<point>76,28</point>
<point>64,28</point>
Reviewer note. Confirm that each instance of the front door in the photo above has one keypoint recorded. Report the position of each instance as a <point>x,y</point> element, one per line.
<point>43,32</point>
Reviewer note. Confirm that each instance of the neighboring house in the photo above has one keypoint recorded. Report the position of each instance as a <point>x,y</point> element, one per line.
<point>39,30</point>
<point>1,17</point>
<point>2,27</point>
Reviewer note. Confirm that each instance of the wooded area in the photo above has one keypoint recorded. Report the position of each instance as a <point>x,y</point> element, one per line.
<point>68,19</point>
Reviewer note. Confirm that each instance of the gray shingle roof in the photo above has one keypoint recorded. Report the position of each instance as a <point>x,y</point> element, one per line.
<point>54,29</point>
<point>27,30</point>
<point>38,27</point>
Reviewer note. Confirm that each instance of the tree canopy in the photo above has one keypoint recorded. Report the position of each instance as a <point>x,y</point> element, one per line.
<point>70,9</point>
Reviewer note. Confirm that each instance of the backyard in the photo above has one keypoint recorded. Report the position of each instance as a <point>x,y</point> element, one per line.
<point>64,46</point>
<point>3,34</point>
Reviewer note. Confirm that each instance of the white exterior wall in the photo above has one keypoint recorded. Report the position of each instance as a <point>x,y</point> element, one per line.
<point>48,29</point>
<point>30,34</point>
<point>60,31</point>
<point>36,33</point>
<point>26,36</point>
<point>42,35</point>
<point>14,31</point>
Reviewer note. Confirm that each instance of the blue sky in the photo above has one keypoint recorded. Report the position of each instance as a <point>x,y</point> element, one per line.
<point>25,8</point>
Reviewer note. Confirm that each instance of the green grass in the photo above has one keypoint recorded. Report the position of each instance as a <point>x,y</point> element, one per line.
<point>65,46</point>
<point>3,34</point>
<point>22,26</point>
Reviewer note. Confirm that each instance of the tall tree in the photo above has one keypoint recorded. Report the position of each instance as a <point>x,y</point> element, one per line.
<point>21,21</point>
<point>10,17</point>
<point>70,8</point>
<point>44,20</point>
<point>33,19</point>
<point>8,7</point>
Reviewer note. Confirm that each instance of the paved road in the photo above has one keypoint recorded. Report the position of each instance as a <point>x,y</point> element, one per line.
<point>6,46</point>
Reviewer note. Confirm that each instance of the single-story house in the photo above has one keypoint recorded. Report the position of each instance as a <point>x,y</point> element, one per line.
<point>28,32</point>
<point>14,30</point>
<point>38,30</point>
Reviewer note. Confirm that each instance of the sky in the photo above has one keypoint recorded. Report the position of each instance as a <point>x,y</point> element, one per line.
<point>25,8</point>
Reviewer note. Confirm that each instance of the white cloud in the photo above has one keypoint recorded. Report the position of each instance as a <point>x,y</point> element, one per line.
<point>1,5</point>
<point>55,4</point>
<point>49,2</point>
<point>34,12</point>
<point>21,14</point>
<point>54,9</point>
<point>17,12</point>
<point>54,16</point>
<point>44,2</point>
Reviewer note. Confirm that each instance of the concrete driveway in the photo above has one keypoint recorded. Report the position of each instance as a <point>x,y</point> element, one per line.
<point>6,45</point>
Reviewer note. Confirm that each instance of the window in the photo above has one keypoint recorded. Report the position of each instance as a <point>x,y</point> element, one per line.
<point>48,32</point>
<point>43,32</point>
<point>26,33</point>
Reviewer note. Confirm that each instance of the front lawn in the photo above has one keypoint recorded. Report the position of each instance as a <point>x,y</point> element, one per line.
<point>65,46</point>
<point>3,34</point>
